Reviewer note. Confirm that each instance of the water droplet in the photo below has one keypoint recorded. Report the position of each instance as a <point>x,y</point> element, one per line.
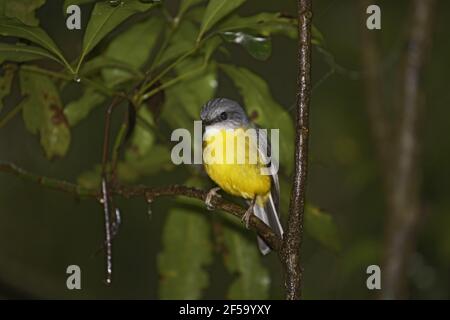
<point>77,79</point>
<point>309,14</point>
<point>114,3</point>
<point>149,207</point>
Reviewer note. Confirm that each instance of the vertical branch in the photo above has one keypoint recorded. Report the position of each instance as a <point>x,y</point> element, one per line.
<point>379,122</point>
<point>404,194</point>
<point>293,238</point>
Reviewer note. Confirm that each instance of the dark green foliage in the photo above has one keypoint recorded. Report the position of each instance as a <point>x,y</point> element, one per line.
<point>134,39</point>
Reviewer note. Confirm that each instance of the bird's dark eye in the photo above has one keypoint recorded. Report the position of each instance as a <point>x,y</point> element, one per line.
<point>223,116</point>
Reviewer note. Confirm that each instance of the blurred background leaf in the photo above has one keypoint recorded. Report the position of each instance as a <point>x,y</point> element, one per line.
<point>321,226</point>
<point>6,78</point>
<point>251,279</point>
<point>187,251</point>
<point>22,10</point>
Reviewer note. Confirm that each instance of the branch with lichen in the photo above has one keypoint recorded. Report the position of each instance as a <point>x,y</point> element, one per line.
<point>290,253</point>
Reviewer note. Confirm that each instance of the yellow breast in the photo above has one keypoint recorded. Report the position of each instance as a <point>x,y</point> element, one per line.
<point>234,164</point>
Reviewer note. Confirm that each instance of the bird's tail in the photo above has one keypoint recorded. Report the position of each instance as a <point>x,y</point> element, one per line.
<point>266,210</point>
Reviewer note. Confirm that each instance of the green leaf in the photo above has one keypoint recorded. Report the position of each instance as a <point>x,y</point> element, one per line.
<point>105,18</point>
<point>95,65</point>
<point>43,114</point>
<point>23,10</point>
<point>243,260</point>
<point>76,2</point>
<point>215,11</point>
<point>186,252</point>
<point>317,37</point>
<point>181,41</point>
<point>268,23</point>
<point>260,105</point>
<point>185,5</point>
<point>258,47</point>
<point>132,47</point>
<point>5,82</point>
<point>22,53</point>
<point>14,28</point>
<point>263,23</point>
<point>320,226</point>
<point>79,109</point>
<point>187,97</point>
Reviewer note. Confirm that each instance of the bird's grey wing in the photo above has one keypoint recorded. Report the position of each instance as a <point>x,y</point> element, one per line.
<point>264,149</point>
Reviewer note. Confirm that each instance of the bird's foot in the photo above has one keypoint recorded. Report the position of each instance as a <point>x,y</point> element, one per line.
<point>211,193</point>
<point>247,215</point>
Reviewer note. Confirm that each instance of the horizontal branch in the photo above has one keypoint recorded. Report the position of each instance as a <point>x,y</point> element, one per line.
<point>149,193</point>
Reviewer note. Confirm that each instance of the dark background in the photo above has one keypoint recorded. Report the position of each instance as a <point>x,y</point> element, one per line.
<point>42,231</point>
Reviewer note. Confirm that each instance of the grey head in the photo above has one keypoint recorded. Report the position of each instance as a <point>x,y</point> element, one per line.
<point>226,112</point>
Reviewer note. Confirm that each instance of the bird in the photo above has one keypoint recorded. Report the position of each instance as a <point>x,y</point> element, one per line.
<point>240,177</point>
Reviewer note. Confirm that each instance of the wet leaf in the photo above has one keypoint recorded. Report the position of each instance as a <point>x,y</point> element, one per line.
<point>106,17</point>
<point>43,114</point>
<point>186,252</point>
<point>132,47</point>
<point>266,112</point>
<point>320,226</point>
<point>14,28</point>
<point>77,110</point>
<point>258,47</point>
<point>23,10</point>
<point>6,79</point>
<point>263,23</point>
<point>215,11</point>
<point>268,23</point>
<point>22,53</point>
<point>244,262</point>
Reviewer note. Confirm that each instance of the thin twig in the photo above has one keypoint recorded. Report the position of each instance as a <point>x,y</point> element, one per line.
<point>290,253</point>
<point>107,201</point>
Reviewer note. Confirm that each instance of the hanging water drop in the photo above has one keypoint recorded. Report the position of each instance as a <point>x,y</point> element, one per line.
<point>149,207</point>
<point>77,79</point>
<point>114,3</point>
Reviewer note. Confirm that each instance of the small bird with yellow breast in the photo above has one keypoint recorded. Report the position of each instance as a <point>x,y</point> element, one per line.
<point>244,177</point>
